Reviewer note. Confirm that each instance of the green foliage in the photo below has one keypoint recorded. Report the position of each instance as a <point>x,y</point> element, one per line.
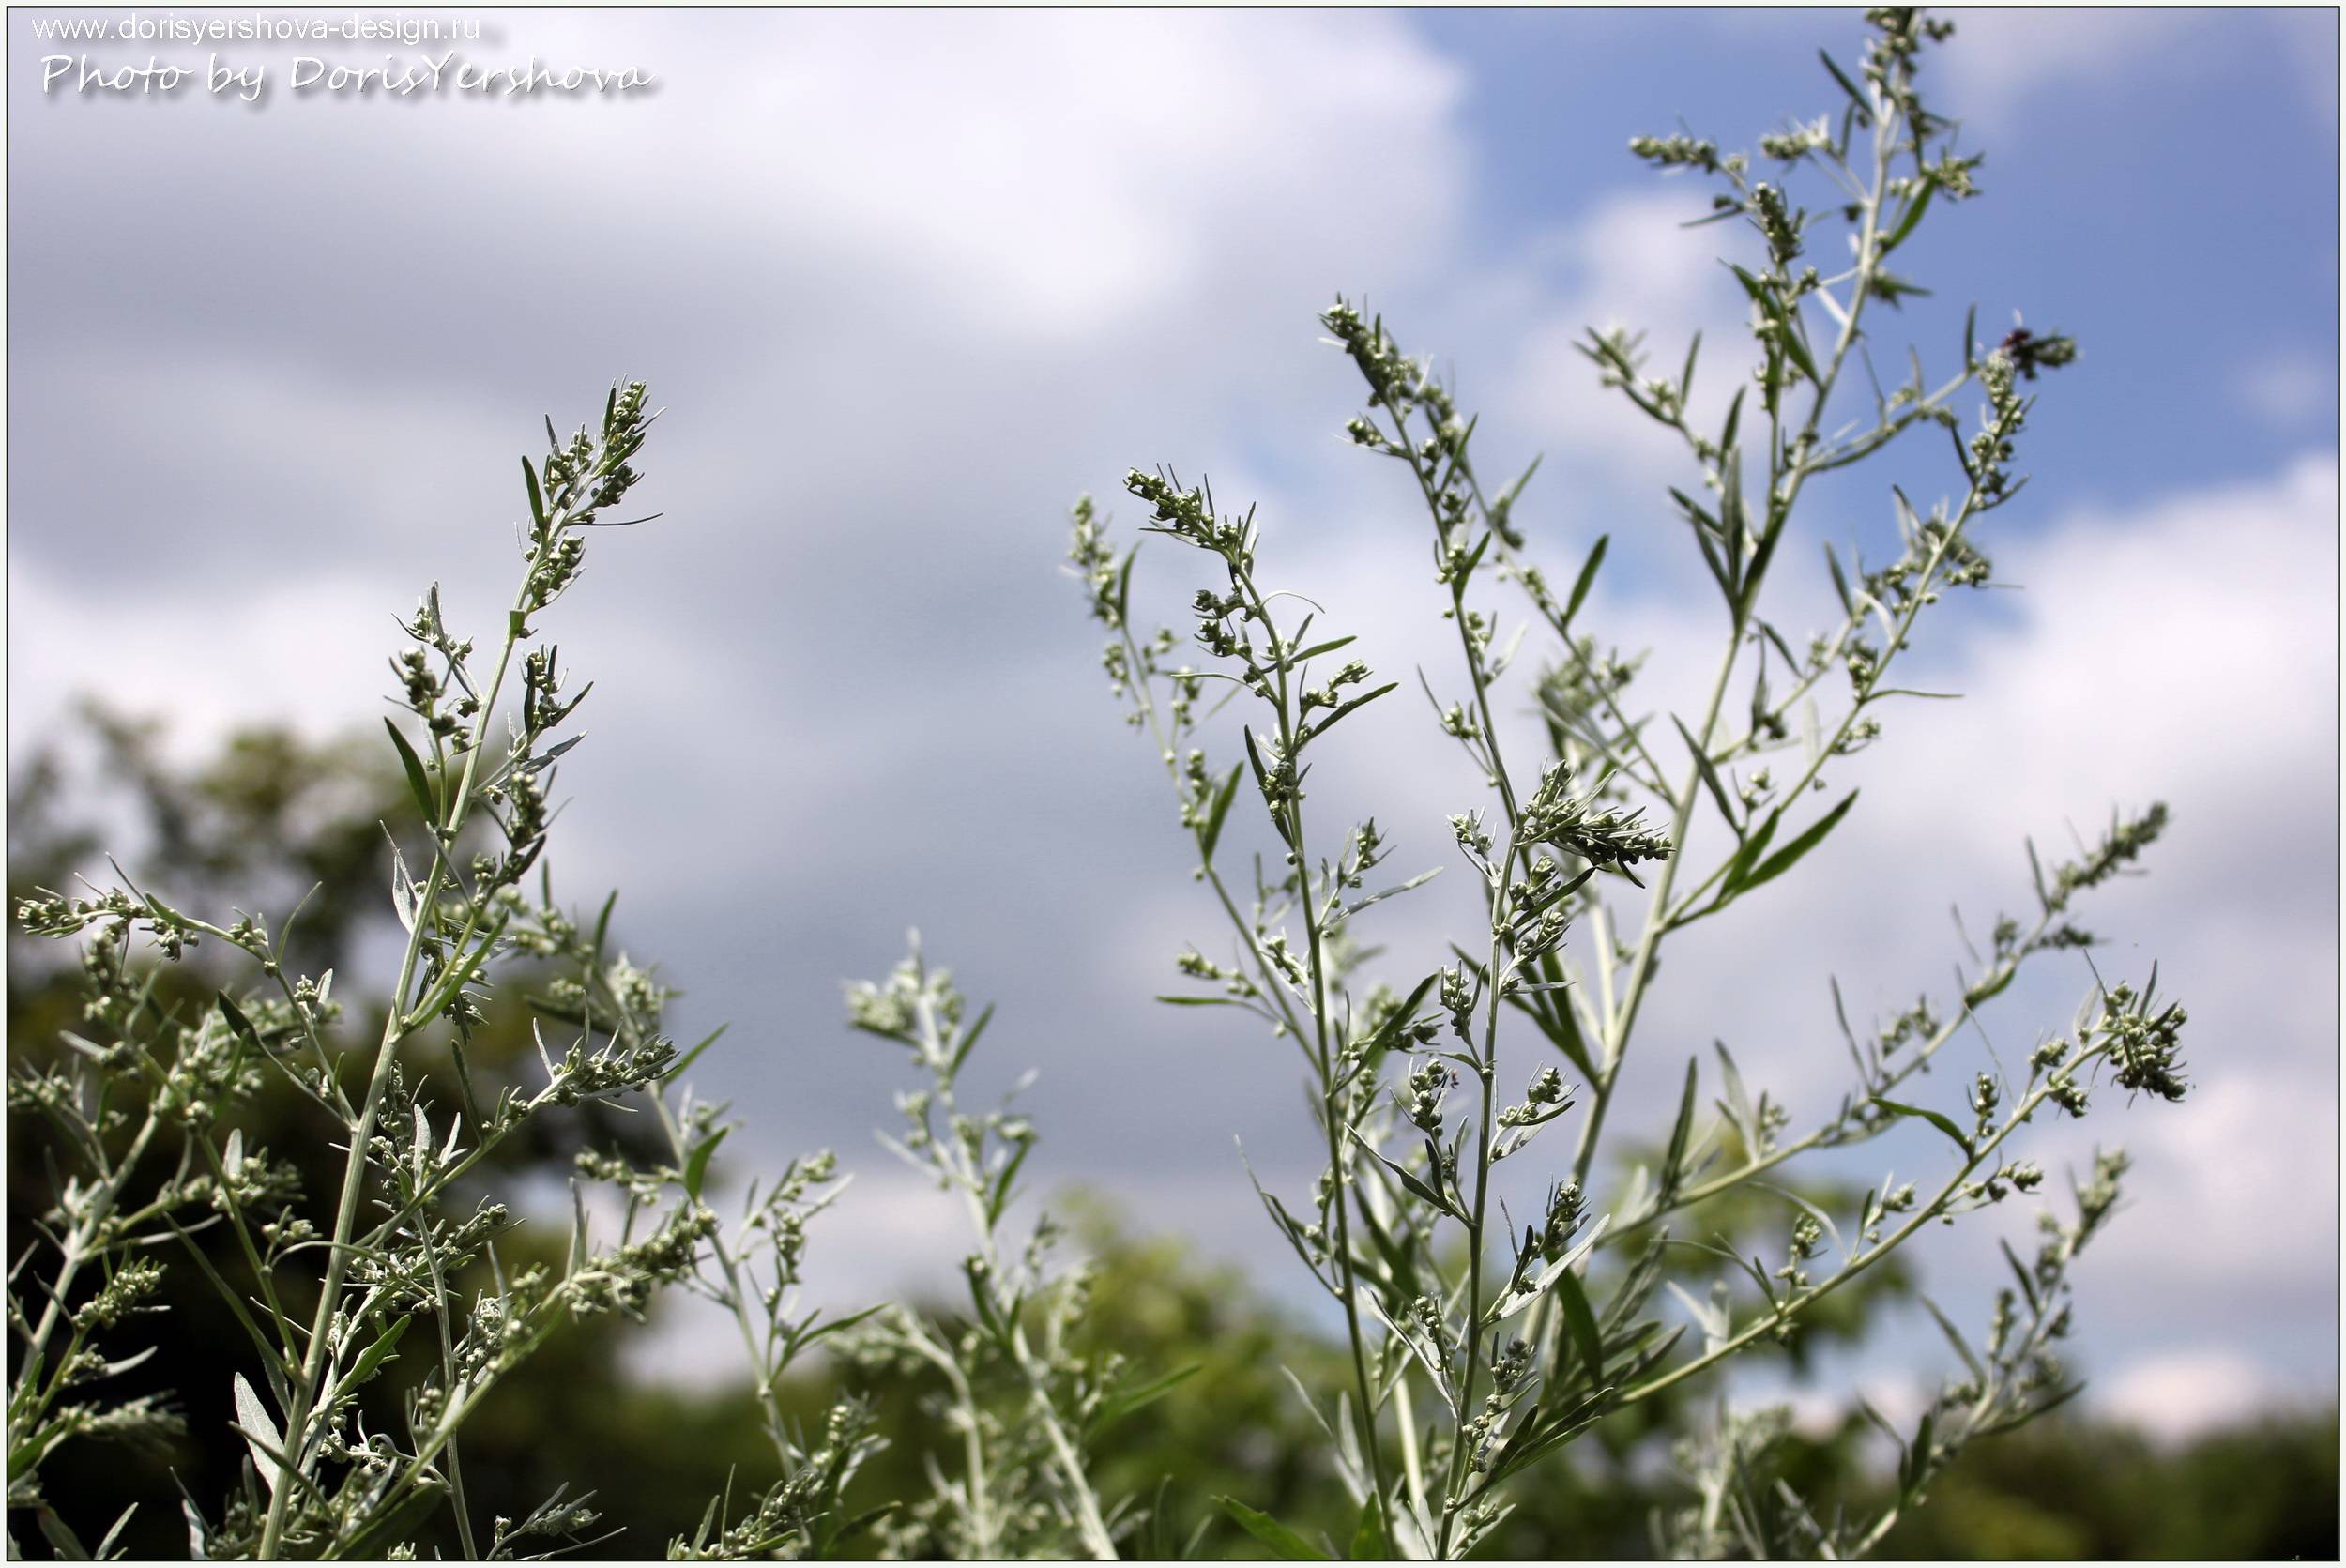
<point>2263,1493</point>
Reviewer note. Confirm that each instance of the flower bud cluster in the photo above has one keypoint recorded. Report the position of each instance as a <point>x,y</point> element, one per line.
<point>1790,147</point>
<point>129,1285</point>
<point>1608,839</point>
<point>1429,1082</point>
<point>2118,849</point>
<point>2146,1046</point>
<point>1188,514</point>
<point>1807,1240</point>
<point>1779,225</point>
<point>1678,152</point>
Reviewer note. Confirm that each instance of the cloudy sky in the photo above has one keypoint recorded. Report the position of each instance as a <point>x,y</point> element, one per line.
<point>908,281</point>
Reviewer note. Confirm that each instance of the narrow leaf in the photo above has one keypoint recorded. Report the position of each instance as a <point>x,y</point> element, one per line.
<point>1580,1323</point>
<point>1285,1544</point>
<point>1710,774</point>
<point>693,1055</point>
<point>1673,1160</point>
<point>1954,1338</point>
<point>1857,100</point>
<point>397,1523</point>
<point>1840,583</point>
<point>1210,834</point>
<point>1938,1120</point>
<point>372,1357</point>
<point>1587,579</point>
<point>1416,1185</point>
<point>1738,1101</point>
<point>60,1536</point>
<point>1121,1404</point>
<point>418,782</point>
<point>1914,210</point>
<point>696,1167</point>
<point>1789,856</point>
<point>254,1418</point>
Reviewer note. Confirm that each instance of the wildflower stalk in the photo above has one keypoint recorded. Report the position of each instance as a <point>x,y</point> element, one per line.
<point>449,1376</point>
<point>1784,487</point>
<point>1134,668</point>
<point>734,1294</point>
<point>1572,1368</point>
<point>1331,1093</point>
<point>397,1027</point>
<point>972,1185</point>
<point>1861,1261</point>
<point>31,1399</point>
<point>979,1515</point>
<point>2005,1373</point>
<point>1848,1128</point>
<point>978,1159</point>
<point>333,1488</point>
<point>1432,483</point>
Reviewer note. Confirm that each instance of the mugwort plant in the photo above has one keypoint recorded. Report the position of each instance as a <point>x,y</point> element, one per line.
<point>145,1121</point>
<point>1480,1346</point>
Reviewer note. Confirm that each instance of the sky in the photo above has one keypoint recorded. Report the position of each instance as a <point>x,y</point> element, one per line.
<point>907,282</point>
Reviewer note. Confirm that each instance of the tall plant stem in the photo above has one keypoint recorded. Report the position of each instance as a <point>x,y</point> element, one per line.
<point>1786,475</point>
<point>1331,1092</point>
<point>396,1029</point>
<point>1274,985</point>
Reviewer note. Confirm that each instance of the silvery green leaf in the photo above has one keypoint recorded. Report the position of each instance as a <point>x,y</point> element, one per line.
<point>1417,881</point>
<point>113,1532</point>
<point>406,900</point>
<point>60,1536</point>
<point>1716,1327</point>
<point>1283,1543</point>
<point>1738,1104</point>
<point>1970,1361</point>
<point>260,1431</point>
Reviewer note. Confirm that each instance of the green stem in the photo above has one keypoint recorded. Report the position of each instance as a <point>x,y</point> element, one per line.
<point>1858,1264</point>
<point>1784,487</point>
<point>736,1296</point>
<point>971,1183</point>
<point>448,1375</point>
<point>395,1029</point>
<point>80,1247</point>
<point>1832,1134</point>
<point>1331,1093</point>
<point>1274,985</point>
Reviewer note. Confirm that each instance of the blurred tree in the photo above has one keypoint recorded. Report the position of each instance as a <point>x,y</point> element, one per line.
<point>2074,1489</point>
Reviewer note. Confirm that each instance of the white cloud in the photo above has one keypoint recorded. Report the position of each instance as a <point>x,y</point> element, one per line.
<point>2006,57</point>
<point>2181,1393</point>
<point>1068,195</point>
<point>2008,54</point>
<point>307,649</point>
